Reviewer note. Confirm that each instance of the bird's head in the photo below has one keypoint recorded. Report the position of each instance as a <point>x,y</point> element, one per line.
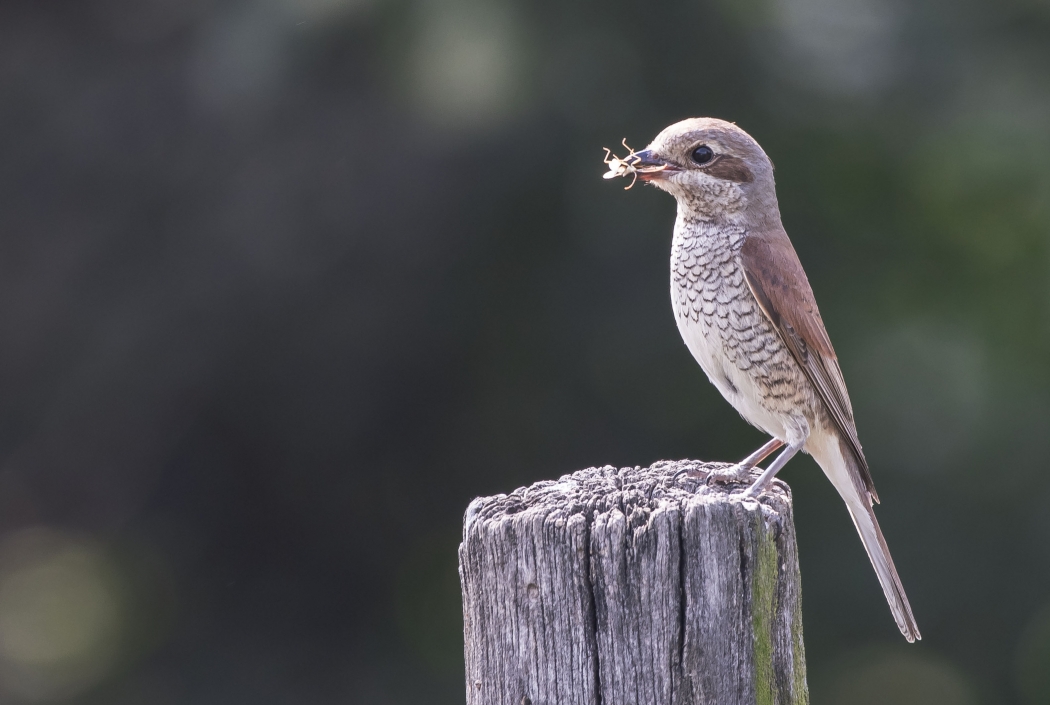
<point>712,167</point>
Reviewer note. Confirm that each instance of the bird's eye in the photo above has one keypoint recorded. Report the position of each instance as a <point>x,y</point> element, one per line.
<point>702,154</point>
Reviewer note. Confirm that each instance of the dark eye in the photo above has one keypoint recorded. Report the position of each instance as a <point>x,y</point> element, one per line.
<point>702,154</point>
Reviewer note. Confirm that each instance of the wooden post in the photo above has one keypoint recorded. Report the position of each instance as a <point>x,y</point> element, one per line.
<point>638,586</point>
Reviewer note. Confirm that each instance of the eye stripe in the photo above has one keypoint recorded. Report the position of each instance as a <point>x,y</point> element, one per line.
<point>730,168</point>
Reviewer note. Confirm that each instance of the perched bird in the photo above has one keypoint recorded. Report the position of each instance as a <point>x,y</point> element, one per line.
<point>747,313</point>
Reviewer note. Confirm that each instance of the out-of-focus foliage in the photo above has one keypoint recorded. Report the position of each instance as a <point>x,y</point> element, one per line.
<point>285,283</point>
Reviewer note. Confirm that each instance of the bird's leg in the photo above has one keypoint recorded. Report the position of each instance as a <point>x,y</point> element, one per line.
<point>742,470</point>
<point>773,469</point>
<point>761,454</point>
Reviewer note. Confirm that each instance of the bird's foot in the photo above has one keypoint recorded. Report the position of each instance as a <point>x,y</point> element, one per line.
<point>692,469</point>
<point>739,473</point>
<point>755,489</point>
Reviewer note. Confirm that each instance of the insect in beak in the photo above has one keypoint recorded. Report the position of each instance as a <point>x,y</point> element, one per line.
<point>621,167</point>
<point>642,165</point>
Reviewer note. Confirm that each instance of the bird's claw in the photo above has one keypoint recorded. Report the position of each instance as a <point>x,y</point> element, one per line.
<point>734,474</point>
<point>693,471</point>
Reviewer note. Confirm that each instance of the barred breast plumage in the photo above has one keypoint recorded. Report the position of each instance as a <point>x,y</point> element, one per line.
<point>722,325</point>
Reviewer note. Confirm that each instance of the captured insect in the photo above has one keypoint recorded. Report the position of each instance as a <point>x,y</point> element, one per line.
<point>628,165</point>
<point>621,167</point>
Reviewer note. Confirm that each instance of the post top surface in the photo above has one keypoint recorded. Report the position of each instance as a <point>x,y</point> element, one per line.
<point>630,490</point>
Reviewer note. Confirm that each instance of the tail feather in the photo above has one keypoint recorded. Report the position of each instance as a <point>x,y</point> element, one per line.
<point>875,544</point>
<point>839,465</point>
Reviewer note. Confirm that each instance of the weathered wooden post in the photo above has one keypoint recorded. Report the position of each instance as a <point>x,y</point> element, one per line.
<point>638,586</point>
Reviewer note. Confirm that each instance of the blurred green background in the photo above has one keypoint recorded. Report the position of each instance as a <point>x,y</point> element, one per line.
<point>285,283</point>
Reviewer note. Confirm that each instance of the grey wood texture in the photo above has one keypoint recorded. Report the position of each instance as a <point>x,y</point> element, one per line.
<point>633,586</point>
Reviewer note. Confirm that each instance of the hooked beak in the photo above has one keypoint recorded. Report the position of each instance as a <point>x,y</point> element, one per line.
<point>649,166</point>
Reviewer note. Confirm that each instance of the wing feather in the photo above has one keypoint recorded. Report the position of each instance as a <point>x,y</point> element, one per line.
<point>779,284</point>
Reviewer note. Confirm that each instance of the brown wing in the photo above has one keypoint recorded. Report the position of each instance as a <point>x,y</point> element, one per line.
<point>776,278</point>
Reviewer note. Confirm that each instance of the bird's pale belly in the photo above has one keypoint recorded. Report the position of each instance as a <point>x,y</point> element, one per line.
<point>748,364</point>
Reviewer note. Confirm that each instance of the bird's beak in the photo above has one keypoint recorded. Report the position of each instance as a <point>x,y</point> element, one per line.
<point>650,166</point>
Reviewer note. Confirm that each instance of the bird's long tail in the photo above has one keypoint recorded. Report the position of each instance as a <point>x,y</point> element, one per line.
<point>837,465</point>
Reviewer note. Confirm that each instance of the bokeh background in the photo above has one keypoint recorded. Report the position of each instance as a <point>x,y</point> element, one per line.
<point>285,283</point>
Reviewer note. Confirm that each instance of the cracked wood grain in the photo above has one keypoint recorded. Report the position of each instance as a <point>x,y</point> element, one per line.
<point>633,586</point>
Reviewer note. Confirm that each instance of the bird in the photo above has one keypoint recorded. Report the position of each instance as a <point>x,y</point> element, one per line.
<point>747,313</point>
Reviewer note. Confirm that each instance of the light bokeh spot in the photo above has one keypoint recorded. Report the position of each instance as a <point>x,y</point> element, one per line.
<point>467,63</point>
<point>60,614</point>
<point>847,47</point>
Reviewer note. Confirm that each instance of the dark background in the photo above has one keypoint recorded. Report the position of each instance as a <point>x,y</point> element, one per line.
<point>284,284</point>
